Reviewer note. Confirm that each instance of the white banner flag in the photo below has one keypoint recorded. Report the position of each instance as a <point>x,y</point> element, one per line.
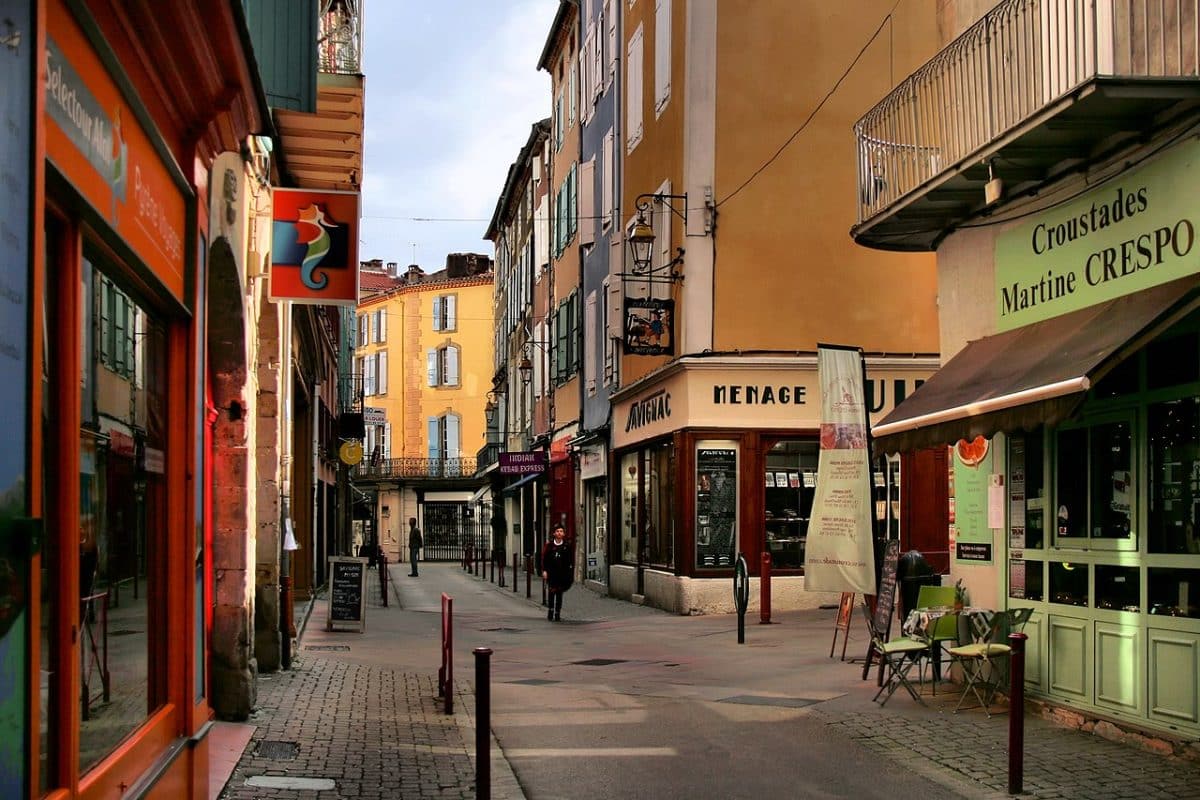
<point>839,554</point>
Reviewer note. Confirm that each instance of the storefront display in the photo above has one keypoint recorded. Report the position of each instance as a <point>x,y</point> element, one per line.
<point>716,504</point>
<point>788,503</point>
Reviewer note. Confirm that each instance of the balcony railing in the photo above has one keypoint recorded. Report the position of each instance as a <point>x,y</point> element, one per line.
<point>1011,64</point>
<point>339,38</point>
<point>415,468</point>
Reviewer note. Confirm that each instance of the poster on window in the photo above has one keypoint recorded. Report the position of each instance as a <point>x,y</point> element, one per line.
<point>649,326</point>
<point>716,506</point>
<point>840,555</point>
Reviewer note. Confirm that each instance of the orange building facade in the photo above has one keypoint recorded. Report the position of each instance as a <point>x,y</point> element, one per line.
<point>119,121</point>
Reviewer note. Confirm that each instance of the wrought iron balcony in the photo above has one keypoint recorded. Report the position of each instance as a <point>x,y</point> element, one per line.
<point>339,37</point>
<point>488,454</point>
<point>1036,89</point>
<point>414,468</point>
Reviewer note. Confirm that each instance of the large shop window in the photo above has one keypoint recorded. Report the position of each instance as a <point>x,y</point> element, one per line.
<point>122,522</point>
<point>647,506</point>
<point>1095,505</point>
<point>1174,427</point>
<point>790,481</point>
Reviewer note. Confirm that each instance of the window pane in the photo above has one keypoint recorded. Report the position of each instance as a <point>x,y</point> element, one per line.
<point>1072,484</point>
<point>1174,431</point>
<point>716,506</point>
<point>1118,587</point>
<point>790,483</point>
<point>660,532</point>
<point>1068,583</point>
<point>1122,380</point>
<point>1173,361</point>
<point>1112,481</point>
<point>629,507</point>
<point>122,520</point>
<point>1025,579</point>
<point>1174,592</point>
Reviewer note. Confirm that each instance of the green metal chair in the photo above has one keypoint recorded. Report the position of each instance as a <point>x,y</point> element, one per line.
<point>898,657</point>
<point>981,660</point>
<point>944,630</point>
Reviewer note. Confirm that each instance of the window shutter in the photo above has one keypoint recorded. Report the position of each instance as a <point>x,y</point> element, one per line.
<point>362,330</point>
<point>610,24</point>
<point>453,435</point>
<point>573,199</point>
<point>616,310</point>
<point>558,120</point>
<point>435,438</point>
<point>662,54</point>
<point>437,314</point>
<point>539,360</point>
<point>587,202</point>
<point>382,325</point>
<point>451,366</point>
<point>633,91</point>
<point>450,311</point>
<point>387,440</point>
<point>372,386</point>
<point>572,90</point>
<point>381,381</point>
<point>369,444</point>
<point>431,365</point>
<point>576,333</point>
<point>607,175</point>
<point>561,353</point>
<point>589,353</point>
<point>597,58</point>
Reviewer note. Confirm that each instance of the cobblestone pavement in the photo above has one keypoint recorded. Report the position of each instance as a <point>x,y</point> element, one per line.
<point>1059,763</point>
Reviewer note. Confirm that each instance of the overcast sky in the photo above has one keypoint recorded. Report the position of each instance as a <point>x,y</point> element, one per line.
<point>452,88</point>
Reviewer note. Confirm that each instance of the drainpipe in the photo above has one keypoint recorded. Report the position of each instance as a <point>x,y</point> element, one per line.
<point>286,624</point>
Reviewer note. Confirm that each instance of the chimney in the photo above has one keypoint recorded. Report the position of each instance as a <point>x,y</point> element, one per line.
<point>393,269</point>
<point>413,274</point>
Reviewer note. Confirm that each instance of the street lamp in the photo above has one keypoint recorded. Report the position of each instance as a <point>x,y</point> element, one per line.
<point>526,369</point>
<point>641,240</point>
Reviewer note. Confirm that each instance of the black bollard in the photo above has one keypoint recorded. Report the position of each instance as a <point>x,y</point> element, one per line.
<point>528,576</point>
<point>1016,713</point>
<point>483,723</point>
<point>515,562</point>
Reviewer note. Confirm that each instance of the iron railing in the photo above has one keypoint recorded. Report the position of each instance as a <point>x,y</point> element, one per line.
<point>389,468</point>
<point>1014,62</point>
<point>339,37</point>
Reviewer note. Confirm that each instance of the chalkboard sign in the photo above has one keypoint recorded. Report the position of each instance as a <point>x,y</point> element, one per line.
<point>347,579</point>
<point>885,600</point>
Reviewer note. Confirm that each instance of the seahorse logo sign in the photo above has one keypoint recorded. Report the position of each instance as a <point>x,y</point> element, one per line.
<point>314,241</point>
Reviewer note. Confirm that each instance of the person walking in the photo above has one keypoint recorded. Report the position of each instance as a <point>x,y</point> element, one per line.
<point>414,545</point>
<point>558,570</point>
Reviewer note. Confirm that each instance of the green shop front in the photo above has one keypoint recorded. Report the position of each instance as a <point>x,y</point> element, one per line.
<point>1074,425</point>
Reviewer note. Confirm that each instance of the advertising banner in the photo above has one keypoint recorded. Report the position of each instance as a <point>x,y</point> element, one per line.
<point>972,478</point>
<point>839,555</point>
<point>314,247</point>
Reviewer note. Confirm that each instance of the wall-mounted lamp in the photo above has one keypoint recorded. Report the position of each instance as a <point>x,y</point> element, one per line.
<point>526,369</point>
<point>641,241</point>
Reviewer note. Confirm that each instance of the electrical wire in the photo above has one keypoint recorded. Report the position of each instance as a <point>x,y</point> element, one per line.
<point>887,18</point>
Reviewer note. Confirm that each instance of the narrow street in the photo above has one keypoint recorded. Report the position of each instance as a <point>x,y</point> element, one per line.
<point>621,700</point>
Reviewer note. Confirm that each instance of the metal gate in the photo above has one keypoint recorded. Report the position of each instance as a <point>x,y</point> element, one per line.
<point>450,526</point>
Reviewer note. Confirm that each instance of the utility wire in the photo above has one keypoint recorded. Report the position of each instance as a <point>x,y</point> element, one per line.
<point>815,111</point>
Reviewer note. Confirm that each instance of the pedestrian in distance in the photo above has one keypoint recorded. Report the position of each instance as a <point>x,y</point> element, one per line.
<point>414,545</point>
<point>558,570</point>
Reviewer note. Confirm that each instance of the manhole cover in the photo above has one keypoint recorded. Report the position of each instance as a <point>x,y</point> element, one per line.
<point>278,751</point>
<point>345,648</point>
<point>535,682</point>
<point>122,632</point>
<point>600,662</point>
<point>759,700</point>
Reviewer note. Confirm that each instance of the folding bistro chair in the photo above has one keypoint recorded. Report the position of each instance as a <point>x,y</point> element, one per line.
<point>898,656</point>
<point>981,659</point>
<point>944,629</point>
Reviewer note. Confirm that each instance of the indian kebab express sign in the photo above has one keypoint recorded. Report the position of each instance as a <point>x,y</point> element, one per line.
<point>1132,233</point>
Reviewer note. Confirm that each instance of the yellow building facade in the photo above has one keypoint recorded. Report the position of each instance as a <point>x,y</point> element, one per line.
<point>423,353</point>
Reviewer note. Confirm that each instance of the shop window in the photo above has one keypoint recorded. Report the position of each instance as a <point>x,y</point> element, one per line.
<point>121,526</point>
<point>1095,484</point>
<point>1118,587</point>
<point>716,504</point>
<point>647,506</point>
<point>1025,579</point>
<point>1174,592</point>
<point>790,483</point>
<point>1173,361</point>
<point>52,688</point>
<point>1027,491</point>
<point>1174,432</point>
<point>1068,583</point>
<point>1122,380</point>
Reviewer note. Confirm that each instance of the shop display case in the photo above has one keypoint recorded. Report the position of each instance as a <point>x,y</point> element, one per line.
<point>1118,588</point>
<point>1174,592</point>
<point>790,483</point>
<point>1069,583</point>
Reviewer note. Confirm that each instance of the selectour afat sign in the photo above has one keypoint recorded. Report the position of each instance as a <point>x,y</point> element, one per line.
<point>1136,231</point>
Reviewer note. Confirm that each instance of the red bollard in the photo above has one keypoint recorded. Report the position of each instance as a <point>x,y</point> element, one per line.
<point>765,594</point>
<point>1016,713</point>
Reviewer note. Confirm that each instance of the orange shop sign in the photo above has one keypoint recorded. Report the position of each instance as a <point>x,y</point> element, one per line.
<point>96,138</point>
<point>314,247</point>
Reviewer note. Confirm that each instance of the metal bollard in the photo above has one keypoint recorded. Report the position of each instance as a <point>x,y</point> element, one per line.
<point>483,723</point>
<point>528,576</point>
<point>515,561</point>
<point>492,568</point>
<point>1016,713</point>
<point>475,563</point>
<point>764,611</point>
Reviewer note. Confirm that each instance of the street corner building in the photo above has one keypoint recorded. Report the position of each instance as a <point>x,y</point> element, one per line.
<point>143,491</point>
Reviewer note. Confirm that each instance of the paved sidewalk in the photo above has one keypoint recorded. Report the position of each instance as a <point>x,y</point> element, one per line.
<point>330,727</point>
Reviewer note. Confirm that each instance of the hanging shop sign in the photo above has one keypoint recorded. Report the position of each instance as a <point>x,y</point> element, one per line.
<point>101,143</point>
<point>523,463</point>
<point>840,556</point>
<point>314,247</point>
<point>649,326</point>
<point>1132,233</point>
<point>374,416</point>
